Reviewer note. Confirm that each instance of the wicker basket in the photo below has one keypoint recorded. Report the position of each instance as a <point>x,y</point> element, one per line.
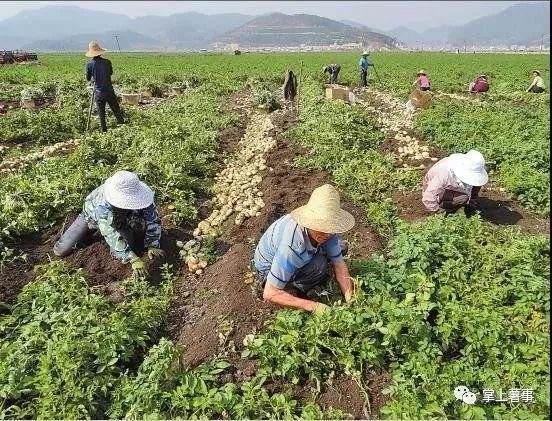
<point>29,104</point>
<point>421,99</point>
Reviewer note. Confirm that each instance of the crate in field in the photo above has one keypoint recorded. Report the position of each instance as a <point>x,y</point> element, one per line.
<point>337,92</point>
<point>28,104</point>
<point>421,99</point>
<point>131,99</point>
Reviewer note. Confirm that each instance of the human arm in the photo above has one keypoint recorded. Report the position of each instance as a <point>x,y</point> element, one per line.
<point>282,298</point>
<point>109,68</point>
<point>344,279</point>
<point>533,83</point>
<point>88,69</point>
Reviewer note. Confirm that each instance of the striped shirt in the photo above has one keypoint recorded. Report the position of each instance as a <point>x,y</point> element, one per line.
<point>285,248</point>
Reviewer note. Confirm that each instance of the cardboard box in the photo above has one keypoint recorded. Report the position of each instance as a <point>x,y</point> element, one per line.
<point>421,99</point>
<point>337,93</point>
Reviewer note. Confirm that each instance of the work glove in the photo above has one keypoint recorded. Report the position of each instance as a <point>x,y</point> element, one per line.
<point>138,269</point>
<point>320,309</point>
<point>154,252</point>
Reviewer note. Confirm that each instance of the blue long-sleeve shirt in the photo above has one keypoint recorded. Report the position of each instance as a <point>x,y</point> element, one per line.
<point>100,70</point>
<point>363,64</point>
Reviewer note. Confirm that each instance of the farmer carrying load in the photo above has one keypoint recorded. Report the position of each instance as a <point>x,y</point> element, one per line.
<point>454,182</point>
<point>537,86</point>
<point>363,67</point>
<point>293,254</point>
<point>422,81</point>
<point>333,70</point>
<point>122,209</point>
<point>480,84</point>
<point>100,70</point>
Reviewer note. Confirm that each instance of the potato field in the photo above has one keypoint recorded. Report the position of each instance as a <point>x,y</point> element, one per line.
<point>440,301</point>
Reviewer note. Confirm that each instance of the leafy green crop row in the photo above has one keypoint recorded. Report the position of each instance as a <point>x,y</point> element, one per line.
<point>516,138</point>
<point>455,302</point>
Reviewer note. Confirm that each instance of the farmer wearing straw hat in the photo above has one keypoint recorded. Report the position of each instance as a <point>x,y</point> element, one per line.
<point>333,71</point>
<point>422,81</point>
<point>454,182</point>
<point>537,86</point>
<point>480,84</point>
<point>363,67</point>
<point>100,70</point>
<point>293,254</point>
<point>122,209</point>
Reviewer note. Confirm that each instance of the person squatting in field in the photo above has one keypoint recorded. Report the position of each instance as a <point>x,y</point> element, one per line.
<point>294,253</point>
<point>455,182</point>
<point>480,84</point>
<point>333,71</point>
<point>422,81</point>
<point>122,209</point>
<point>537,86</point>
<point>363,65</point>
<point>100,70</point>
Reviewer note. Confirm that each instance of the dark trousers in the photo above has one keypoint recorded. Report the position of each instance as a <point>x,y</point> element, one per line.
<point>333,77</point>
<point>453,200</point>
<point>424,88</point>
<point>80,231</point>
<point>536,90</point>
<point>111,99</point>
<point>363,78</point>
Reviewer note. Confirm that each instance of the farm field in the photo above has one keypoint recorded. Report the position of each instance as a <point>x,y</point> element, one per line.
<point>440,302</point>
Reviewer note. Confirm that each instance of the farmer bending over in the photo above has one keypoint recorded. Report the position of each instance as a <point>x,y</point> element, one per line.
<point>122,209</point>
<point>480,84</point>
<point>333,70</point>
<point>454,182</point>
<point>537,86</point>
<point>422,81</point>
<point>100,70</point>
<point>293,253</point>
<point>363,67</point>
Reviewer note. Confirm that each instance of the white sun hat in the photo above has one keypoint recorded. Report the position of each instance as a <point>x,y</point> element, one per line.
<point>323,212</point>
<point>470,168</point>
<point>125,191</point>
<point>365,53</point>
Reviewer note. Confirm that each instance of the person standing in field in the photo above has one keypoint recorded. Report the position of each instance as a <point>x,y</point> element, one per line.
<point>100,70</point>
<point>122,210</point>
<point>333,70</point>
<point>422,81</point>
<point>480,84</point>
<point>454,182</point>
<point>363,65</point>
<point>537,86</point>
<point>294,253</point>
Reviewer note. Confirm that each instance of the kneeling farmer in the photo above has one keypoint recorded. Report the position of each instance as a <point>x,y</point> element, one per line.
<point>122,209</point>
<point>454,182</point>
<point>293,253</point>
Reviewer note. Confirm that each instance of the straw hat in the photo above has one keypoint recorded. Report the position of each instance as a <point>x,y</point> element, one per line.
<point>470,168</point>
<point>124,190</point>
<point>94,50</point>
<point>323,212</point>
<point>537,72</point>
<point>365,53</point>
<point>421,72</point>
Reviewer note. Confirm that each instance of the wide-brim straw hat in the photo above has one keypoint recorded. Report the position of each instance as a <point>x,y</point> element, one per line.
<point>421,72</point>
<point>94,50</point>
<point>536,71</point>
<point>323,212</point>
<point>365,53</point>
<point>470,168</point>
<point>125,191</point>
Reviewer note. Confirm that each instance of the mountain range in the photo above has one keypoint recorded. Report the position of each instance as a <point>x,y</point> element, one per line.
<point>70,28</point>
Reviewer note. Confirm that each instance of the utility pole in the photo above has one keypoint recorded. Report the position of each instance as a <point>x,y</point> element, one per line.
<point>118,46</point>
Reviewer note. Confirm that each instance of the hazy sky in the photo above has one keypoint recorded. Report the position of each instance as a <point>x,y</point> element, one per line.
<point>379,14</point>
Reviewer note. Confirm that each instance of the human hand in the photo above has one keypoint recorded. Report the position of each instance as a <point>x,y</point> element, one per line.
<point>154,252</point>
<point>320,308</point>
<point>138,269</point>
